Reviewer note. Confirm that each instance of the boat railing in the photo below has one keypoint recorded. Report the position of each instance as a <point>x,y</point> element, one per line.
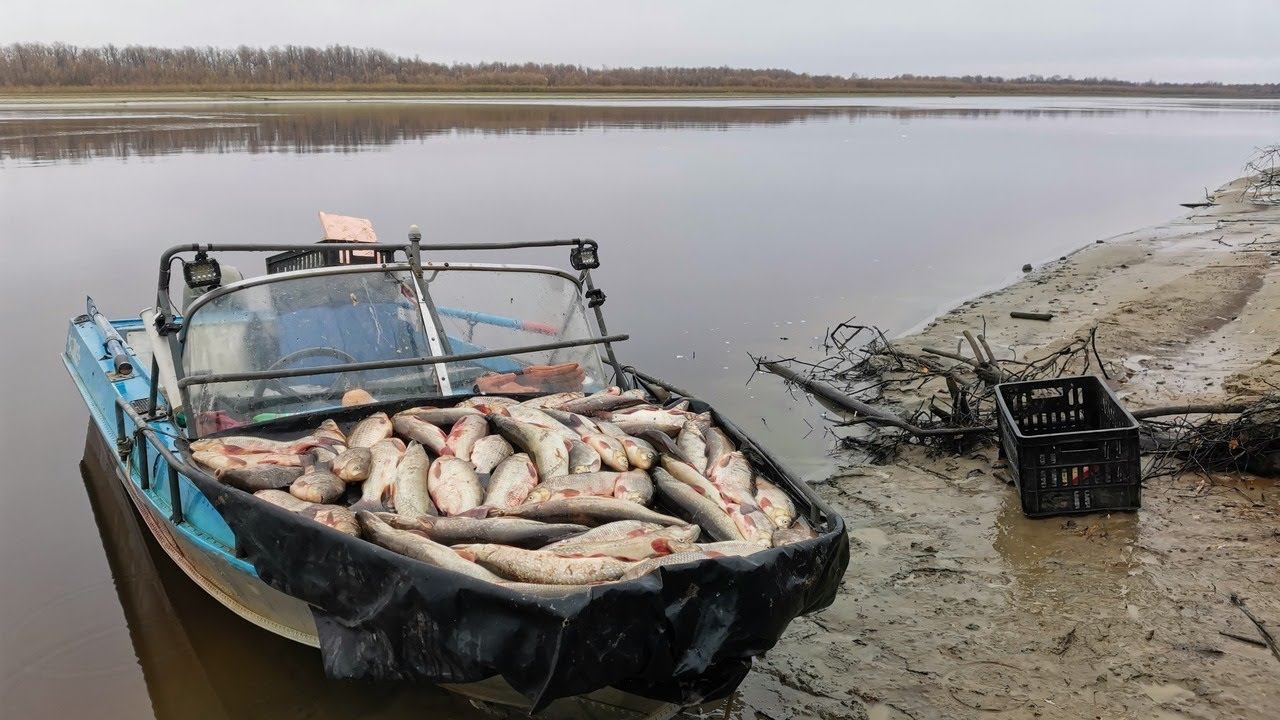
<point>583,256</point>
<point>142,436</point>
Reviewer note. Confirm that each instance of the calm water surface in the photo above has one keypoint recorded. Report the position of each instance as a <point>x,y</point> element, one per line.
<point>726,228</point>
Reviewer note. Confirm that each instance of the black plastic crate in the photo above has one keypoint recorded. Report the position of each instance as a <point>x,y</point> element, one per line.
<point>325,257</point>
<point>1071,446</point>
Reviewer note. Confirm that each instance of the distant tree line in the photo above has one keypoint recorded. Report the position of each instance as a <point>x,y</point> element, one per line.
<point>41,65</point>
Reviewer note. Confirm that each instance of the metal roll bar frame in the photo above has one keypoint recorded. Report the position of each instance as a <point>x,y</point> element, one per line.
<point>168,328</point>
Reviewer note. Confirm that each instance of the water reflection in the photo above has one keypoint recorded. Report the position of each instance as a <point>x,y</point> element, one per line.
<point>50,136</point>
<point>715,244</point>
<point>199,659</point>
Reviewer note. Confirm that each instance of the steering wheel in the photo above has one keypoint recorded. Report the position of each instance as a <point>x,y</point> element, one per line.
<point>304,354</point>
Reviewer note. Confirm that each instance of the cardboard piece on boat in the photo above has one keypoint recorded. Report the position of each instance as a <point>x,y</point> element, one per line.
<point>344,228</point>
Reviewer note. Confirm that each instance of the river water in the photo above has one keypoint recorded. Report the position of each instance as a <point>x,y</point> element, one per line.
<point>728,228</point>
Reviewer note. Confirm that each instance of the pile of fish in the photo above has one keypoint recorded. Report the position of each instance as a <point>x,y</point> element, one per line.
<point>562,490</point>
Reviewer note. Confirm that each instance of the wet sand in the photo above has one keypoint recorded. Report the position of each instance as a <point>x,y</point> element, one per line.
<point>956,605</point>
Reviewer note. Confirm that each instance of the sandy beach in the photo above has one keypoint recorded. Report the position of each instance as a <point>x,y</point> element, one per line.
<point>956,605</point>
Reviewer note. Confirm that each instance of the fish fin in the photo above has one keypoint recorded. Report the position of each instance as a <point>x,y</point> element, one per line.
<point>369,506</point>
<point>479,512</point>
<point>664,444</point>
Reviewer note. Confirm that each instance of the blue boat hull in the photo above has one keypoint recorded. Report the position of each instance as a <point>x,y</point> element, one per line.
<point>203,545</point>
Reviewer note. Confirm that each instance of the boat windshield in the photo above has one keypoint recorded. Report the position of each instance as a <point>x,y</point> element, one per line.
<point>313,320</point>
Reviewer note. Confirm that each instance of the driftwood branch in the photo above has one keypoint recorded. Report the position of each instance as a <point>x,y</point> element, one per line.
<point>987,372</point>
<point>1201,409</point>
<point>870,412</point>
<point>1262,629</point>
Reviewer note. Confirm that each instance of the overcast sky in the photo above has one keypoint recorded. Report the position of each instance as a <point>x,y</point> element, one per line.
<point>1227,40</point>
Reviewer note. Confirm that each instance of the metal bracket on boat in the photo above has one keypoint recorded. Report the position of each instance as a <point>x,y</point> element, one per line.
<point>124,443</point>
<point>437,338</point>
<point>595,298</point>
<point>165,324</point>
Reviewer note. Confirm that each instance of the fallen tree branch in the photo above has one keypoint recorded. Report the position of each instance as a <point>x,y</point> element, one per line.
<point>870,412</point>
<point>1262,629</point>
<point>1201,409</point>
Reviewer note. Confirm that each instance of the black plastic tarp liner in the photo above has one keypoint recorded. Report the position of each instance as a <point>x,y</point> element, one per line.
<point>683,634</point>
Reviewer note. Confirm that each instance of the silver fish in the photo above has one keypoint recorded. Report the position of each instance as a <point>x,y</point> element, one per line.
<point>327,435</point>
<point>511,482</point>
<point>489,451</point>
<point>645,567</point>
<point>353,465</point>
<point>694,446</point>
<point>415,428</point>
<point>444,417</point>
<point>497,530</point>
<point>733,475</point>
<point>590,511</point>
<point>640,453</point>
<point>534,416</point>
<point>376,491</point>
<point>419,547</point>
<point>729,548</point>
<point>326,455</point>
<point>464,435</point>
<point>754,525</point>
<point>334,516</point>
<point>537,566</point>
<point>799,530</point>
<point>283,499</point>
<point>547,449</point>
<point>718,445</point>
<point>633,485</point>
<point>409,495</point>
<point>220,463</point>
<point>370,430</point>
<point>705,512</point>
<point>685,473</point>
<point>330,430</point>
<point>491,409</point>
<point>547,591</point>
<point>492,400</point>
<point>612,454</point>
<point>252,478</point>
<point>775,503</point>
<point>318,485</point>
<point>637,545</point>
<point>608,531</point>
<point>609,399</point>
<point>582,458</point>
<point>579,424</point>
<point>550,401</point>
<point>636,421</point>
<point>454,486</point>
<point>609,429</point>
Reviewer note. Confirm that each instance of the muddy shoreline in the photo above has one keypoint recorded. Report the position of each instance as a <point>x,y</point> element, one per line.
<point>956,605</point>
